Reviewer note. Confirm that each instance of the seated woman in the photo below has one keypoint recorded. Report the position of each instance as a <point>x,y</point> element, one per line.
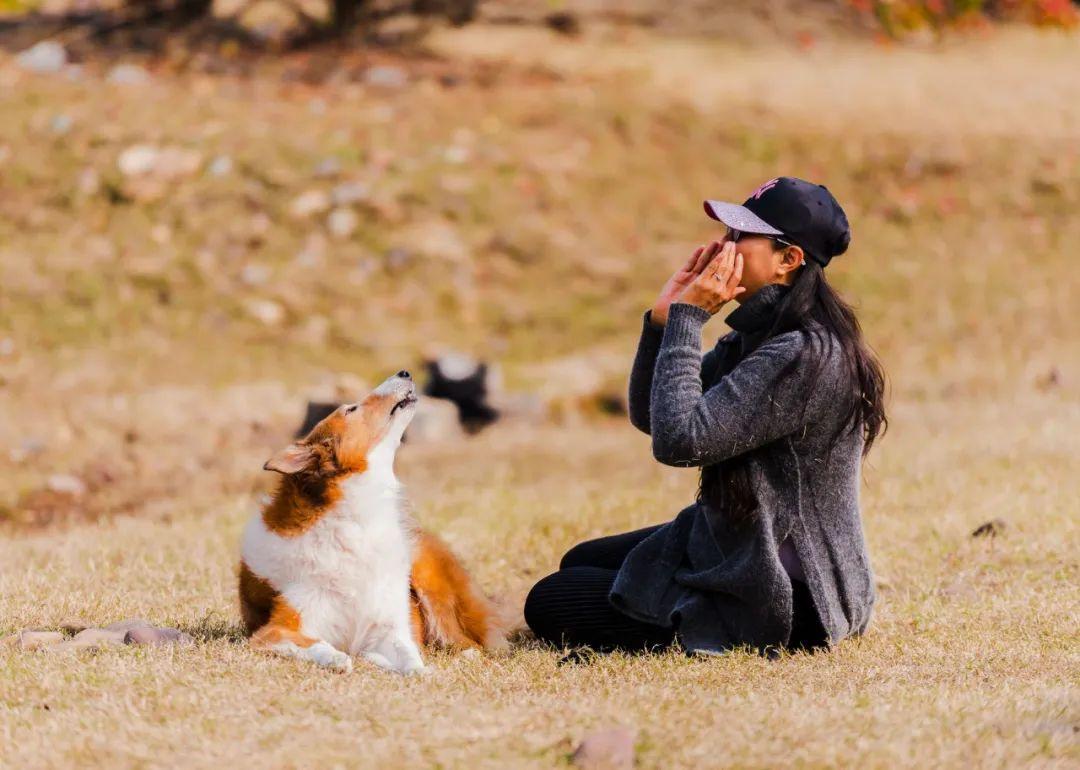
<point>778,418</point>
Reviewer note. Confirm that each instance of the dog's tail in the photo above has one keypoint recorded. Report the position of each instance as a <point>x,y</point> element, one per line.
<point>448,610</point>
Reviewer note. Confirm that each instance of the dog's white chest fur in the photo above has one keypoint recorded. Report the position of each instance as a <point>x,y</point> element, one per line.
<point>347,576</point>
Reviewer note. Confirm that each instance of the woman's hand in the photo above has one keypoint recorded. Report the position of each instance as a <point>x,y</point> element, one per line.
<point>680,280</point>
<point>718,283</point>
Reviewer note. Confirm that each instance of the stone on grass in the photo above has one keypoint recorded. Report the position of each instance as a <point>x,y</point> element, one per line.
<point>33,640</point>
<point>128,75</point>
<point>267,311</point>
<point>128,624</point>
<point>163,163</point>
<point>611,749</point>
<point>386,76</point>
<point>222,165</point>
<point>157,636</point>
<point>310,203</point>
<point>92,639</point>
<point>342,222</point>
<point>66,484</point>
<point>137,160</point>
<point>46,57</point>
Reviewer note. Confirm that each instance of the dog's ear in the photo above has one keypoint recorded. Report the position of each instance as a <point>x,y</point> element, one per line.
<point>292,459</point>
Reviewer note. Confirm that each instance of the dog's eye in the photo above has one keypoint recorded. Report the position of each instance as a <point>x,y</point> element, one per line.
<point>351,409</point>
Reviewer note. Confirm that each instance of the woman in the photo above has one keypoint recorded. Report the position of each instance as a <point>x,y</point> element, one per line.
<point>777,417</point>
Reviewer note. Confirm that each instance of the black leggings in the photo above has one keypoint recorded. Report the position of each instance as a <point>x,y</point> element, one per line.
<point>570,607</point>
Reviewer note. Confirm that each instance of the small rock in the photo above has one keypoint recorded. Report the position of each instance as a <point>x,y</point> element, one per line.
<point>128,624</point>
<point>457,155</point>
<point>350,193</point>
<point>33,640</point>
<point>7,346</point>
<point>177,162</point>
<point>309,203</point>
<point>162,163</point>
<point>992,528</point>
<point>386,77</point>
<point>157,636</point>
<point>267,311</point>
<point>137,160</point>
<point>61,124</point>
<point>611,749</point>
<point>128,75</point>
<point>435,420</point>
<point>66,484</point>
<point>45,57</point>
<point>92,638</point>
<point>220,166</point>
<point>255,274</point>
<point>342,223</point>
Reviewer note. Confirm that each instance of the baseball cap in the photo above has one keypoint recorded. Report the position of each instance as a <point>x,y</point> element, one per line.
<point>801,212</point>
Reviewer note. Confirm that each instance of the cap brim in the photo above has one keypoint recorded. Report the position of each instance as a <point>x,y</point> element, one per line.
<point>739,218</point>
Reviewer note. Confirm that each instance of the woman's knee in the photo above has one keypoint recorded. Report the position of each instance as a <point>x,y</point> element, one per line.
<point>581,555</point>
<point>537,605</point>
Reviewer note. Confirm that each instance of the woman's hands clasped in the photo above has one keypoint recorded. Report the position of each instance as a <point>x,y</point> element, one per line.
<point>709,279</point>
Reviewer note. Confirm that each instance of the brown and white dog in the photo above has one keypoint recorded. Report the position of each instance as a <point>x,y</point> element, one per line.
<point>334,566</point>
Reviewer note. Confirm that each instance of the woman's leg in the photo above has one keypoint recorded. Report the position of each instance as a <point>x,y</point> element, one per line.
<point>570,607</point>
<point>605,552</point>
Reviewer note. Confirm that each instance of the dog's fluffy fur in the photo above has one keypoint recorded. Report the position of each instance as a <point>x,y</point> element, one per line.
<point>335,567</point>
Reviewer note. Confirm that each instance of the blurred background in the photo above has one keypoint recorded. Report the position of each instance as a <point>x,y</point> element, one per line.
<point>214,211</point>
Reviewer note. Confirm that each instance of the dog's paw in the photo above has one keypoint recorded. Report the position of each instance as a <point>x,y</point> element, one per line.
<point>421,671</point>
<point>326,656</point>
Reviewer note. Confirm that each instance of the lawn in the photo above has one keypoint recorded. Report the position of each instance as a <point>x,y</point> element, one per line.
<point>524,197</point>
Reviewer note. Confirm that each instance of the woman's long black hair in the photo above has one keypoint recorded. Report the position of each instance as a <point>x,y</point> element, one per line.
<point>816,310</point>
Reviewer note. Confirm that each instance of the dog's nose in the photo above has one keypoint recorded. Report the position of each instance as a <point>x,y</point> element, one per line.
<point>404,375</point>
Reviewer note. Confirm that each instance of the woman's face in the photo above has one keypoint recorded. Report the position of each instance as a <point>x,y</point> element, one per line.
<point>763,263</point>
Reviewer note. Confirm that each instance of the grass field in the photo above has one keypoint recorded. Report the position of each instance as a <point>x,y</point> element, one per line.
<point>524,198</point>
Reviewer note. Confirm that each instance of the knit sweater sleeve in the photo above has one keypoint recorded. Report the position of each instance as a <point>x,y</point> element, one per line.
<point>641,374</point>
<point>747,408</point>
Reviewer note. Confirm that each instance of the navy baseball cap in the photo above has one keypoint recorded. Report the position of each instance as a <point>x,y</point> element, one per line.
<point>800,212</point>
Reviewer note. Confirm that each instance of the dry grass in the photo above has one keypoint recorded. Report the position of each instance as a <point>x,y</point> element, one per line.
<point>134,356</point>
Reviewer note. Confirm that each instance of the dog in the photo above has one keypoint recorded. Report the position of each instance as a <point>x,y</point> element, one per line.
<point>334,565</point>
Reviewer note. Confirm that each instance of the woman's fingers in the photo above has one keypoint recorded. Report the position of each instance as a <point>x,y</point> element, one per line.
<point>691,263</point>
<point>707,256</point>
<point>736,274</point>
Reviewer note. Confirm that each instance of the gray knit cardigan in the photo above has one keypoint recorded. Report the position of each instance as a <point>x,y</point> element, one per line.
<point>719,583</point>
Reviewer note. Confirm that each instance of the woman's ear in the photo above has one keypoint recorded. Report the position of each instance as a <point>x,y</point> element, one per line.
<point>791,258</point>
<point>292,459</point>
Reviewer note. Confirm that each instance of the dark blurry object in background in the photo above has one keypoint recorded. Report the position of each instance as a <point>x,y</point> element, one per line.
<point>465,382</point>
<point>316,412</point>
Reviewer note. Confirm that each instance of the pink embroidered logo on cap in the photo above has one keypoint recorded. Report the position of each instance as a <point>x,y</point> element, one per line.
<point>764,188</point>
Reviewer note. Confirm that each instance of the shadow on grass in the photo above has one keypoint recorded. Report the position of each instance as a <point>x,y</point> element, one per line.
<point>212,629</point>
